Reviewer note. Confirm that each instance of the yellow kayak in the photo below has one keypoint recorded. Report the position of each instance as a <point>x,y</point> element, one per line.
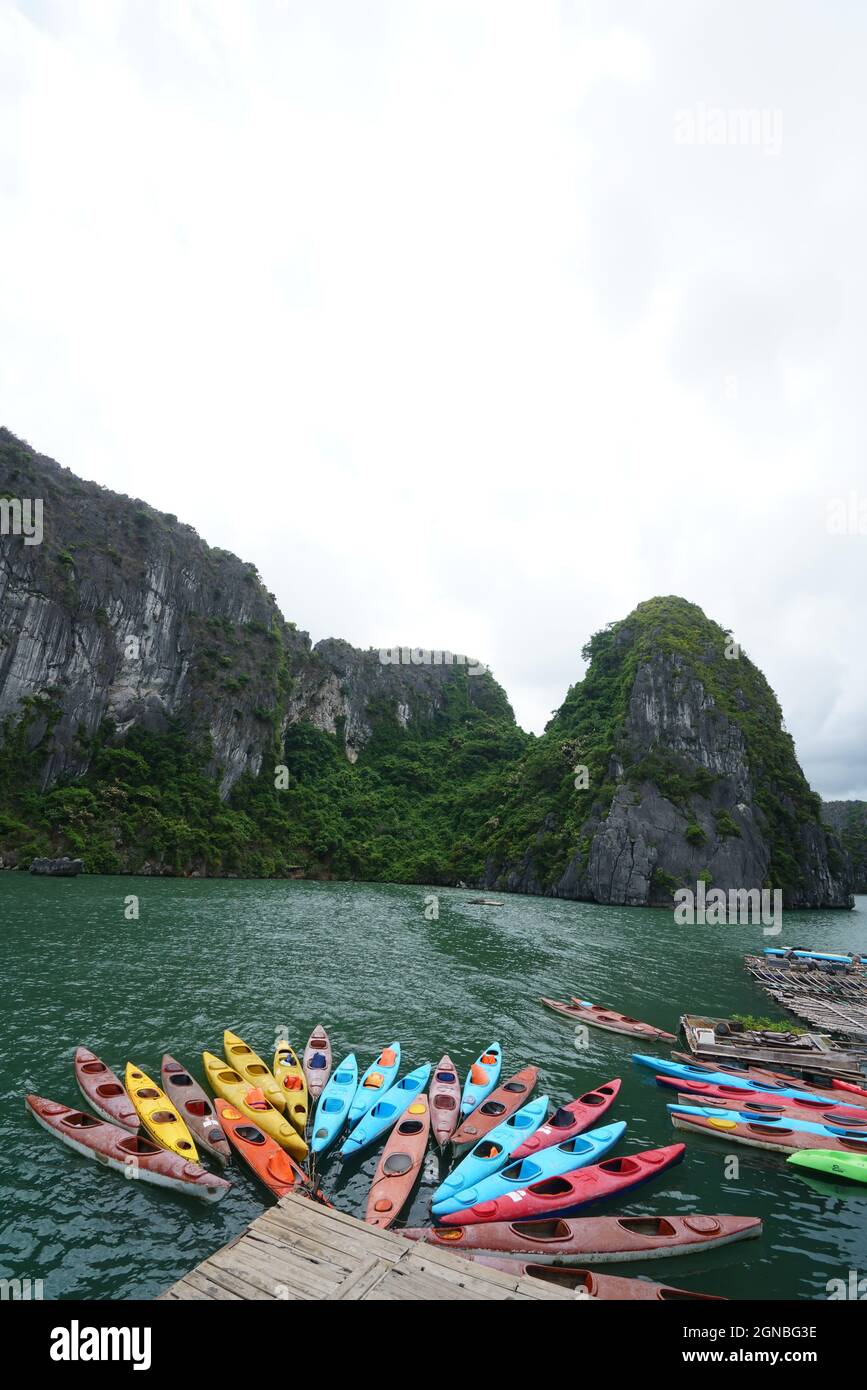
<point>252,1068</point>
<point>251,1101</point>
<point>293,1083</point>
<point>158,1115</point>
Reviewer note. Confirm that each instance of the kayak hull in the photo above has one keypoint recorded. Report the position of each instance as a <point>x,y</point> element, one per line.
<point>491,1153</point>
<point>271,1164</point>
<point>482,1078</point>
<point>333,1105</point>
<point>727,1098</point>
<point>386,1112</point>
<point>249,1065</point>
<point>290,1077</point>
<point>586,1283</point>
<point>851,1167</point>
<point>130,1154</point>
<point>158,1115</point>
<point>317,1061</point>
<point>580,1011</point>
<point>687,1072</point>
<point>195,1108</point>
<point>445,1100</point>
<point>103,1091</point>
<point>499,1105</point>
<point>399,1165</point>
<point>599,1239</point>
<point>568,1194</point>
<point>380,1076</point>
<point>229,1085</point>
<point>571,1119</point>
<point>762,1132</point>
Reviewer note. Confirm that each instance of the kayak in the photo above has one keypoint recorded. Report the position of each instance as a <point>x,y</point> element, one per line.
<point>588,1284</point>
<point>380,1075</point>
<point>388,1110</point>
<point>289,1075</point>
<point>575,1153</point>
<point>317,1061</point>
<point>702,1093</point>
<point>850,1087</point>
<point>333,1105</point>
<point>756,1075</point>
<point>251,1101</point>
<point>249,1065</point>
<point>482,1077</point>
<point>500,1104</point>
<point>493,1151</point>
<point>271,1164</point>
<point>195,1108</point>
<point>399,1165</point>
<point>130,1154</point>
<point>805,955</point>
<point>582,1011</point>
<point>103,1090</point>
<point>567,1194</point>
<point>764,1132</point>
<point>158,1115</point>
<point>600,1239</point>
<point>570,1119</point>
<point>444,1094</point>
<point>717,1078</point>
<point>852,1167</point>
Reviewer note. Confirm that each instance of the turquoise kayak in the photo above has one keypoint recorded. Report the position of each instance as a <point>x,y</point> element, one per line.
<point>386,1111</point>
<point>380,1075</point>
<point>720,1078</point>
<point>783,1122</point>
<point>493,1151</point>
<point>333,1105</point>
<point>549,1163</point>
<point>482,1077</point>
<point>805,955</point>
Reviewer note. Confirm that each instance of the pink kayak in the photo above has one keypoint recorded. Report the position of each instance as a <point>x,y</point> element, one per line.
<point>570,1119</point>
<point>444,1094</point>
<point>733,1098</point>
<point>129,1154</point>
<point>588,1284</point>
<point>103,1090</point>
<point>316,1061</point>
<point>195,1108</point>
<point>607,1019</point>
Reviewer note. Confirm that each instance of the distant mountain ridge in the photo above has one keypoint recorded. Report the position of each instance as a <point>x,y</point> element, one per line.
<point>160,715</point>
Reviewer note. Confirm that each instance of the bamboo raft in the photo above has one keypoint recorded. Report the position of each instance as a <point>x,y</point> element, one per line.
<point>813,1054</point>
<point>301,1251</point>
<point>832,1000</point>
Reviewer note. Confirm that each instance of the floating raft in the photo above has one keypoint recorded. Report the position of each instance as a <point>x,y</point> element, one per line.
<point>816,1054</point>
<point>299,1250</point>
<point>833,999</point>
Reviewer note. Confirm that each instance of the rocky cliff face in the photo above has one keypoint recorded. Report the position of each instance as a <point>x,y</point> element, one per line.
<point>848,819</point>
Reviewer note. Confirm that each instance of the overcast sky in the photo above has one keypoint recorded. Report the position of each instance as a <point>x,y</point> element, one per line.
<point>472,323</point>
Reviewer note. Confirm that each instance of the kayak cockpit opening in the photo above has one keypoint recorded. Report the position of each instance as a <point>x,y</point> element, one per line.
<point>109,1089</point>
<point>199,1108</point>
<point>492,1107</point>
<point>619,1165</point>
<point>78,1120</point>
<point>556,1229</point>
<point>138,1147</point>
<point>647,1225</point>
<point>250,1134</point>
<point>410,1127</point>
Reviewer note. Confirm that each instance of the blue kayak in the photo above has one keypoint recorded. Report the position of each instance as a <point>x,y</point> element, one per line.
<point>380,1075</point>
<point>725,1078</point>
<point>548,1163</point>
<point>386,1111</point>
<point>482,1077</point>
<point>805,955</point>
<point>493,1151</point>
<point>784,1122</point>
<point>333,1105</point>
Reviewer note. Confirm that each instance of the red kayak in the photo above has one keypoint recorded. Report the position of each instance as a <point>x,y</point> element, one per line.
<point>130,1154</point>
<point>564,1195</point>
<point>272,1164</point>
<point>570,1119</point>
<point>195,1108</point>
<point>498,1106</point>
<point>444,1094</point>
<point>771,1135</point>
<point>588,1284</point>
<point>597,1239</point>
<point>850,1087</point>
<point>607,1019</point>
<point>733,1098</point>
<point>103,1090</point>
<point>768,1078</point>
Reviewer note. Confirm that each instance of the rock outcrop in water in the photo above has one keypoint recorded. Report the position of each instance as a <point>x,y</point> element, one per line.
<point>160,715</point>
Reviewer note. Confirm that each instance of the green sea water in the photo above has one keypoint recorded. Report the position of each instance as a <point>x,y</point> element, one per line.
<point>268,959</point>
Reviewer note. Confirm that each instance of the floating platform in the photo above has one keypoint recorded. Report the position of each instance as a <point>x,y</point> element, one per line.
<point>832,1000</point>
<point>302,1251</point>
<point>814,1054</point>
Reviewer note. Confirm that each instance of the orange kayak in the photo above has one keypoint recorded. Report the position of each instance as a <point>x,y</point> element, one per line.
<point>498,1106</point>
<point>271,1164</point>
<point>399,1165</point>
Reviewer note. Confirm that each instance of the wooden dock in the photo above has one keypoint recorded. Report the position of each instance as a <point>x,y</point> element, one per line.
<point>300,1250</point>
<point>713,1040</point>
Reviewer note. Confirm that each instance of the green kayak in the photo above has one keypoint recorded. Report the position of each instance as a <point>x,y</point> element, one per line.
<point>833,1162</point>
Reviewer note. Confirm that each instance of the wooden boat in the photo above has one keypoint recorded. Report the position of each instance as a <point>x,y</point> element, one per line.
<point>317,1061</point>
<point>444,1093</point>
<point>290,1077</point>
<point>158,1115</point>
<point>226,1083</point>
<point>500,1104</point>
<point>567,1194</point>
<point>250,1066</point>
<point>571,1119</point>
<point>588,1284</point>
<point>130,1154</point>
<point>784,1134</point>
<point>729,1098</point>
<point>594,1239</point>
<point>721,1040</point>
<point>399,1165</point>
<point>581,1011</point>
<point>195,1108</point>
<point>271,1164</point>
<point>103,1090</point>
